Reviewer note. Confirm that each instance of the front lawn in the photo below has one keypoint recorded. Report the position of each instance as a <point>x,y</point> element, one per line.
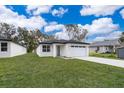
<point>104,55</point>
<point>31,71</point>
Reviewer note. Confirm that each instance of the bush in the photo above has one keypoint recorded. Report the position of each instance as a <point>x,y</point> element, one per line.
<point>106,55</point>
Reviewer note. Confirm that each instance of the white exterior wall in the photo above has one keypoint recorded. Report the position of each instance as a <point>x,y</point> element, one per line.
<point>38,51</point>
<point>12,50</point>
<point>87,51</point>
<point>65,50</point>
<point>16,50</point>
<point>43,54</point>
<point>93,49</point>
<point>102,49</point>
<point>54,54</point>
<point>62,49</point>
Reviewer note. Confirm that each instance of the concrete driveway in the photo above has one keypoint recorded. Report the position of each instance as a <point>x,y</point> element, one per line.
<point>113,62</point>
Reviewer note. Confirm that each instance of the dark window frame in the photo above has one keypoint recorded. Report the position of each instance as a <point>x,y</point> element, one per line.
<point>76,46</point>
<point>45,48</point>
<point>4,46</point>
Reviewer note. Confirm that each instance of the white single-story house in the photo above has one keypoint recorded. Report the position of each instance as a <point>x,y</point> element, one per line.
<point>105,46</point>
<point>120,52</point>
<point>10,49</point>
<point>65,48</point>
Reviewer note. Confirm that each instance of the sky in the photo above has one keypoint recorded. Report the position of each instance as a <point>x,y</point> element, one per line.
<point>102,22</point>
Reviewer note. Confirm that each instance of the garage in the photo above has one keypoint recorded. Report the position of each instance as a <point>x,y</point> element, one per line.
<point>78,51</point>
<point>63,48</point>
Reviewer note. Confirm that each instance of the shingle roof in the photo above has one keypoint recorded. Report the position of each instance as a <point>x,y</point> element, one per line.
<point>106,43</point>
<point>120,47</point>
<point>62,42</point>
<point>2,38</point>
<point>5,39</point>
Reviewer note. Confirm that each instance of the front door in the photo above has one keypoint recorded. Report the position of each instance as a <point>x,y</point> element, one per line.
<point>58,50</point>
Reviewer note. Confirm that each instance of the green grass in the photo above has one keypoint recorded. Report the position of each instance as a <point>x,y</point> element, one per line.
<point>104,55</point>
<point>31,71</point>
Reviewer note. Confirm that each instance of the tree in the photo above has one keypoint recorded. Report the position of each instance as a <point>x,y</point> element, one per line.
<point>122,37</point>
<point>22,36</point>
<point>26,38</point>
<point>41,36</point>
<point>75,32</point>
<point>32,42</point>
<point>31,38</point>
<point>7,31</point>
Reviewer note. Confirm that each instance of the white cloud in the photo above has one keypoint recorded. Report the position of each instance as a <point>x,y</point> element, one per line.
<point>54,27</point>
<point>112,35</point>
<point>122,13</point>
<point>99,10</point>
<point>36,10</point>
<point>40,9</point>
<point>60,12</point>
<point>34,22</point>
<point>101,26</point>
<point>32,7</point>
<point>11,17</point>
<point>62,35</point>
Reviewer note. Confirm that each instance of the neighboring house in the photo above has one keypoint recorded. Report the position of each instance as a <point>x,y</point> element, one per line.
<point>10,49</point>
<point>120,52</point>
<point>105,46</point>
<point>63,48</point>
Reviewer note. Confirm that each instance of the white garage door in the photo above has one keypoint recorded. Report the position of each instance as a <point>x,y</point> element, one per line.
<point>77,51</point>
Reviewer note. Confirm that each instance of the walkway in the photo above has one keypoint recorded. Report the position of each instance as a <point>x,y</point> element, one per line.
<point>113,62</point>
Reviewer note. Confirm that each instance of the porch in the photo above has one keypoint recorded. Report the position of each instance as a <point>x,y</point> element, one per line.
<point>58,50</point>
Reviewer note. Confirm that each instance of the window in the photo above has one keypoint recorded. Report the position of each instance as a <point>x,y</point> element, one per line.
<point>78,46</point>
<point>4,47</point>
<point>98,48</point>
<point>46,48</point>
<point>106,48</point>
<point>72,46</point>
<point>81,46</point>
